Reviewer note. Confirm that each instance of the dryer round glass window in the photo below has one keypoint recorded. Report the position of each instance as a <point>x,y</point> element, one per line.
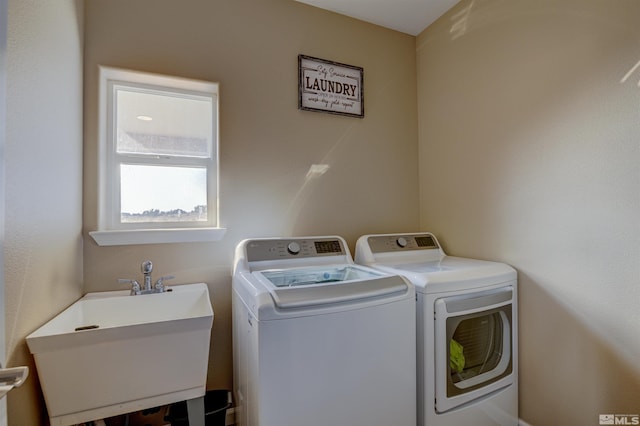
<point>479,350</point>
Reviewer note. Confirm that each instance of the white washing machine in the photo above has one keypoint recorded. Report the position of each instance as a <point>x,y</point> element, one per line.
<point>318,340</point>
<point>467,340</point>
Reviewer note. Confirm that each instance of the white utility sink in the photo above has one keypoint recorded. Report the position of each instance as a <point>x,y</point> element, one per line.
<point>111,353</point>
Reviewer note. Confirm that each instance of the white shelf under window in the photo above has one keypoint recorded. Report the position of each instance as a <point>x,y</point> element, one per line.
<point>156,236</point>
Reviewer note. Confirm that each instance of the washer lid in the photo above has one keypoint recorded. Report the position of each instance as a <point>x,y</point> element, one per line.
<point>310,276</point>
<point>305,287</point>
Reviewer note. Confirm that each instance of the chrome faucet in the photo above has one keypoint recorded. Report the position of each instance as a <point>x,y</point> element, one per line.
<point>146,288</point>
<point>146,269</point>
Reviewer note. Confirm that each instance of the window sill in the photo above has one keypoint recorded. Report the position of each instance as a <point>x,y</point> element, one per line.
<point>157,236</point>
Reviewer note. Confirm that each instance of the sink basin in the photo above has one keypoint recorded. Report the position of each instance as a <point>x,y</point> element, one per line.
<point>111,353</point>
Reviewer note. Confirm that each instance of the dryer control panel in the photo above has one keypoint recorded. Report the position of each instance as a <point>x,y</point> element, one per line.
<point>402,242</point>
<point>277,249</point>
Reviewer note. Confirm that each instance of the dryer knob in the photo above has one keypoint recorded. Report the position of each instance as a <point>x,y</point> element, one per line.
<point>293,248</point>
<point>402,242</point>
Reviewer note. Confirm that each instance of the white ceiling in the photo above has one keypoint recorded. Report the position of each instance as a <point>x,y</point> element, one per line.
<point>407,16</point>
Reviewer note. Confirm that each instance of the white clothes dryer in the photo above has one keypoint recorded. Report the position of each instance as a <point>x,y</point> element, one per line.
<point>318,340</point>
<point>467,339</point>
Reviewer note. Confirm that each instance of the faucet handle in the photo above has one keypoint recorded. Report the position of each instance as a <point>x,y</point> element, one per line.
<point>135,285</point>
<point>160,283</point>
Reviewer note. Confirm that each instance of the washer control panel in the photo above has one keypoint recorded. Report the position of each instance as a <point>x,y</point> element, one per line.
<point>292,248</point>
<point>391,243</point>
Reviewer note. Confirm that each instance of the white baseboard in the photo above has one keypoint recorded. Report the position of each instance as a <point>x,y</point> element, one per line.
<point>522,423</point>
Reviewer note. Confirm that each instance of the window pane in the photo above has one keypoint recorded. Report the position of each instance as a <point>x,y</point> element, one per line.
<point>163,123</point>
<point>162,194</point>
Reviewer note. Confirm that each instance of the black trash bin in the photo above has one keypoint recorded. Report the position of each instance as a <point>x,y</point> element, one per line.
<point>216,403</point>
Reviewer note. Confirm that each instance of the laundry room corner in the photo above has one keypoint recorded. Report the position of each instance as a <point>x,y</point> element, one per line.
<point>528,118</point>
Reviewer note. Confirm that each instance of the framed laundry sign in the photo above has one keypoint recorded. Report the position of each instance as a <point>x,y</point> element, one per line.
<point>331,87</point>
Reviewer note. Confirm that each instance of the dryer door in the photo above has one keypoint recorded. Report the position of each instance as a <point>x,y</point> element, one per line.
<point>473,344</point>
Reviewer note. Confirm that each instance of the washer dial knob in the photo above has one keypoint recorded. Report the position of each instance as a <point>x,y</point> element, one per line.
<point>293,248</point>
<point>402,242</point>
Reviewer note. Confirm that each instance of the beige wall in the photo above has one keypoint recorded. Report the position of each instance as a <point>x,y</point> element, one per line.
<point>43,159</point>
<point>266,144</point>
<point>530,154</point>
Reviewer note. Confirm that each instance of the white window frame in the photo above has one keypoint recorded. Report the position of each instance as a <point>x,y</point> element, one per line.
<point>111,231</point>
